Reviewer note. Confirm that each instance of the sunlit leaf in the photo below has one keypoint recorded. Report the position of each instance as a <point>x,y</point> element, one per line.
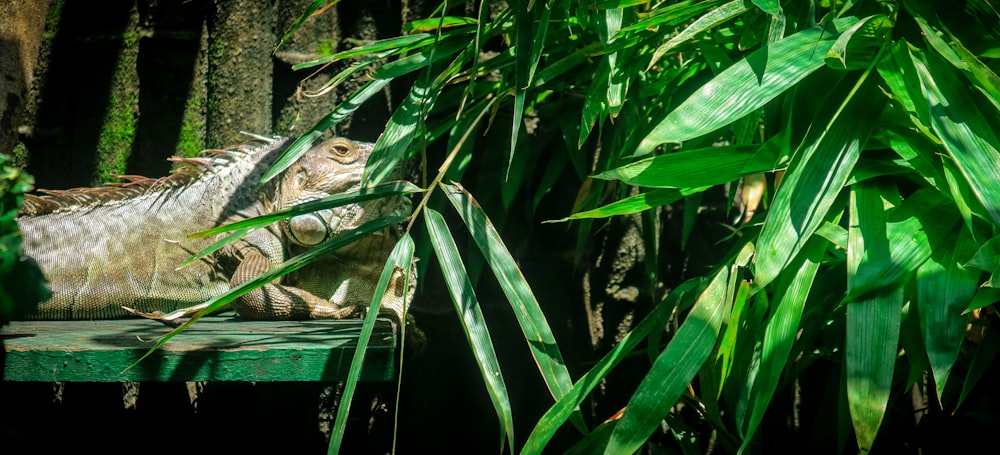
<point>782,331</point>
<point>673,369</point>
<point>299,147</point>
<point>635,204</point>
<point>858,45</point>
<point>476,331</point>
<point>873,321</point>
<point>336,200</point>
<point>690,169</point>
<point>705,22</point>
<point>815,177</point>
<point>522,300</point>
<point>399,259</point>
<point>306,14</point>
<point>964,126</point>
<point>944,291</point>
<point>559,412</point>
<point>289,266</point>
<point>435,23</point>
<point>744,87</point>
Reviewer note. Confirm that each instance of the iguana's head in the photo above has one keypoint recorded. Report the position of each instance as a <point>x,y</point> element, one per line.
<point>332,167</point>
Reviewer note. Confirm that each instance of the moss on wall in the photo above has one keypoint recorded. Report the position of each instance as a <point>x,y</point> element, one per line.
<point>114,146</point>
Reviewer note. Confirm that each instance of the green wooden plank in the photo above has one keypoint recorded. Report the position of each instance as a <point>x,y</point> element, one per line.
<point>214,349</point>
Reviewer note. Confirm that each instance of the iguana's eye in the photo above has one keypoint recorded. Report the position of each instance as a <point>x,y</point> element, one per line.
<point>343,150</point>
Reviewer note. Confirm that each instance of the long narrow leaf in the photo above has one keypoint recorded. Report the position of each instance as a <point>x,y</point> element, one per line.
<point>559,412</point>
<point>965,126</point>
<point>285,268</point>
<point>922,215</point>
<point>336,200</point>
<point>238,234</point>
<point>522,300</point>
<point>395,140</point>
<point>693,168</point>
<point>635,204</point>
<point>302,144</point>
<point>815,178</point>
<point>705,22</point>
<point>745,86</point>
<point>782,330</point>
<point>673,369</point>
<point>873,321</point>
<point>399,259</point>
<point>944,289</point>
<point>467,306</point>
<point>315,5</point>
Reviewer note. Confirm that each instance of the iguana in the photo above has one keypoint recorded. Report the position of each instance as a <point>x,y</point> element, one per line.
<point>102,249</point>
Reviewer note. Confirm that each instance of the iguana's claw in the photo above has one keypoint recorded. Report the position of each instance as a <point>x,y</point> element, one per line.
<point>154,315</point>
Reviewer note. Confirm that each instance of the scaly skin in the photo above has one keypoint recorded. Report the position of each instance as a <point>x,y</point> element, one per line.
<point>105,248</point>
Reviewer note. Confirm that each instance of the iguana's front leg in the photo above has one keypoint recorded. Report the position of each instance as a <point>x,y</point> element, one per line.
<point>274,301</point>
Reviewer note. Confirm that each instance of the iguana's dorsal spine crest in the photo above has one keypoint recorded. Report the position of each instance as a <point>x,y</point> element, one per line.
<point>189,171</point>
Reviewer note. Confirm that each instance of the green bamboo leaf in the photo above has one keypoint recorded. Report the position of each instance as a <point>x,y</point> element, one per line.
<point>674,368</point>
<point>395,140</point>
<point>966,202</point>
<point>944,290</point>
<point>873,321</point>
<point>360,66</point>
<point>635,204</point>
<point>711,19</point>
<point>609,21</point>
<point>776,22</point>
<point>987,81</point>
<point>985,296</point>
<point>857,47</point>
<point>690,169</point>
<point>987,259</point>
<point>532,25</point>
<point>923,216</point>
<point>315,5</point>
<point>289,266</point>
<point>735,331</point>
<point>561,410</point>
<point>768,6</point>
<point>529,315</point>
<point>964,125</point>
<point>427,56</point>
<point>391,45</point>
<point>897,71</point>
<point>238,234</point>
<point>399,259</point>
<point>836,235</point>
<point>816,175</point>
<point>467,306</point>
<point>782,331</point>
<point>984,357</point>
<point>744,87</point>
<point>437,23</point>
<point>594,103</point>
<point>299,147</point>
<point>674,14</point>
<point>336,200</point>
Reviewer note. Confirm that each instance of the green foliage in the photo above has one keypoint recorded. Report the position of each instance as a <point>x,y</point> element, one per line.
<point>869,125</point>
<point>21,283</point>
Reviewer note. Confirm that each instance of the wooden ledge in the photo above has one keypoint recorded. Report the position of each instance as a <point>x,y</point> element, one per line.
<point>212,349</point>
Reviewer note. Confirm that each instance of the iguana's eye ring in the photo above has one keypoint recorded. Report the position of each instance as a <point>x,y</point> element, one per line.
<point>343,150</point>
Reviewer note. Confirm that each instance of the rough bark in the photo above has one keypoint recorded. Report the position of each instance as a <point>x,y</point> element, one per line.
<point>240,71</point>
<point>20,39</point>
